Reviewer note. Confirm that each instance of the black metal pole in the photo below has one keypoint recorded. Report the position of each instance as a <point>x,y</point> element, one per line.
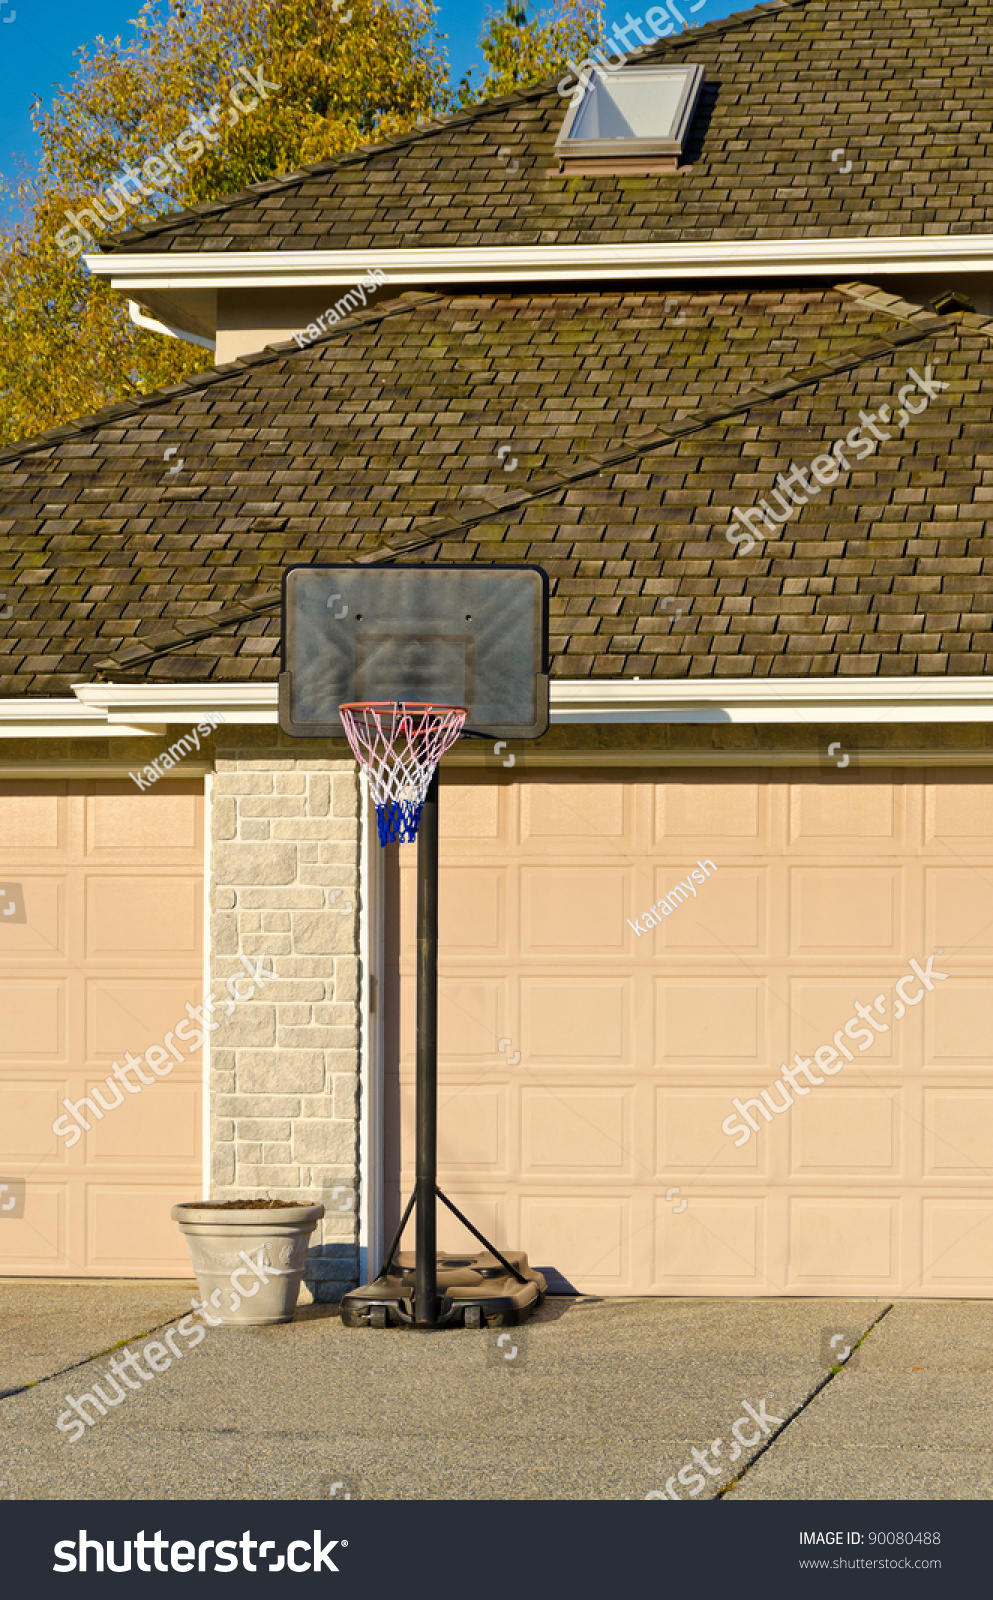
<point>425,1187</point>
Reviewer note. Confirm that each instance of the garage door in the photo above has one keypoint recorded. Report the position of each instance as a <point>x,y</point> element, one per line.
<point>590,1059</point>
<point>101,934</point>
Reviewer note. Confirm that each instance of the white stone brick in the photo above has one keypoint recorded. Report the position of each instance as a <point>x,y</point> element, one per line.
<point>272,805</point>
<point>265,1129</point>
<point>324,1141</point>
<point>273,1072</point>
<point>269,1178</point>
<point>311,828</point>
<point>251,1024</point>
<point>318,794</point>
<point>239,783</point>
<point>322,932</point>
<point>254,864</point>
<point>290,783</point>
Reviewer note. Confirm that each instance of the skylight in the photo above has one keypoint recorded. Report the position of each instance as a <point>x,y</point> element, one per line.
<point>640,113</point>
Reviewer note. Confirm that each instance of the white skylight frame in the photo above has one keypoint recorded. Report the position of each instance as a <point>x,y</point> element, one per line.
<point>608,90</point>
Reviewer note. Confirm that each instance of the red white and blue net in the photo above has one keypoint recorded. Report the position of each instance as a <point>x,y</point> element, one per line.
<point>399,743</point>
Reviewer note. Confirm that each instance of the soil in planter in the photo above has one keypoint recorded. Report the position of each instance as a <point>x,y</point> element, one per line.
<point>242,1205</point>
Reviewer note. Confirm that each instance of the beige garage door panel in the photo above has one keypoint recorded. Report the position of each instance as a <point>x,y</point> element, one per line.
<point>588,1059</point>
<point>108,957</point>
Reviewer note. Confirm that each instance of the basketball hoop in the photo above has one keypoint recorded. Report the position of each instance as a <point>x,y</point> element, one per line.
<point>399,743</point>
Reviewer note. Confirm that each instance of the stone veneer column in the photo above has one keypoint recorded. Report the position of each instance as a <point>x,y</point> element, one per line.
<point>285,1065</point>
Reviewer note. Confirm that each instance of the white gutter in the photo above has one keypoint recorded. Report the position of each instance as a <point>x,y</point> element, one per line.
<point>768,700</point>
<point>153,325</point>
<point>99,710</point>
<point>848,255</point>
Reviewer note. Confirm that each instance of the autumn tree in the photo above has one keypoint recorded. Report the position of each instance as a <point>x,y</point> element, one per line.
<point>522,48</point>
<point>348,72</point>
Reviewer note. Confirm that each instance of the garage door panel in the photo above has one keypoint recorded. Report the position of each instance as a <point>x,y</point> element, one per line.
<point>27,1111</point>
<point>578,907</point>
<point>715,1243</point>
<point>852,1240</point>
<point>958,812</point>
<point>124,823</point>
<point>959,1023</point>
<point>822,1007</point>
<point>568,1021</point>
<point>689,1141</point>
<point>129,1231</point>
<point>586,1238</point>
<point>106,961</point>
<point>572,1131</point>
<point>715,1023</point>
<point>959,911</point>
<point>34,822</point>
<point>161,1125</point>
<point>852,814</point>
<point>838,909</point>
<point>849,1130</point>
<point>472,1127</point>
<point>36,1242</point>
<point>34,1013</point>
<point>959,1127</point>
<point>958,1246</point>
<point>555,814</point>
<point>36,930</point>
<point>705,816</point>
<point>131,1014</point>
<point>471,813</point>
<point>151,918</point>
<point>472,912</point>
<point>726,919</point>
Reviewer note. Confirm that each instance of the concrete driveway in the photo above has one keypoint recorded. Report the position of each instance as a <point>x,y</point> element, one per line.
<point>594,1399</point>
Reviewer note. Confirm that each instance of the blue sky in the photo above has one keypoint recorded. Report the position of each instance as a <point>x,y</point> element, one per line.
<point>38,37</point>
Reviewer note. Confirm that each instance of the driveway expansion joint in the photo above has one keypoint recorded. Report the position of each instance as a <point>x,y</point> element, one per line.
<point>829,1377</point>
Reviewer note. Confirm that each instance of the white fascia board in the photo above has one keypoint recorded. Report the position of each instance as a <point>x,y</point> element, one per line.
<point>767,700</point>
<point>848,255</point>
<point>117,709</point>
<point>154,705</point>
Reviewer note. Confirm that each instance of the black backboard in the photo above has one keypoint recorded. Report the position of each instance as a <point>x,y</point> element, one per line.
<point>464,635</point>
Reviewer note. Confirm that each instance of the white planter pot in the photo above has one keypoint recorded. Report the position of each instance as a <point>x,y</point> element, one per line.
<point>248,1264</point>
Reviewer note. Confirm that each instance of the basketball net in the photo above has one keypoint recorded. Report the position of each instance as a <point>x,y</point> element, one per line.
<point>399,743</point>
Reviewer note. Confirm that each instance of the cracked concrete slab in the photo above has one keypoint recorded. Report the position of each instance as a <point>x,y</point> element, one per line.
<point>47,1325</point>
<point>608,1402</point>
<point>914,1420</point>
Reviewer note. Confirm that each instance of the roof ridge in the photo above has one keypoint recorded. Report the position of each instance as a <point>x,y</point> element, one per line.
<point>925,324</point>
<point>466,115</point>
